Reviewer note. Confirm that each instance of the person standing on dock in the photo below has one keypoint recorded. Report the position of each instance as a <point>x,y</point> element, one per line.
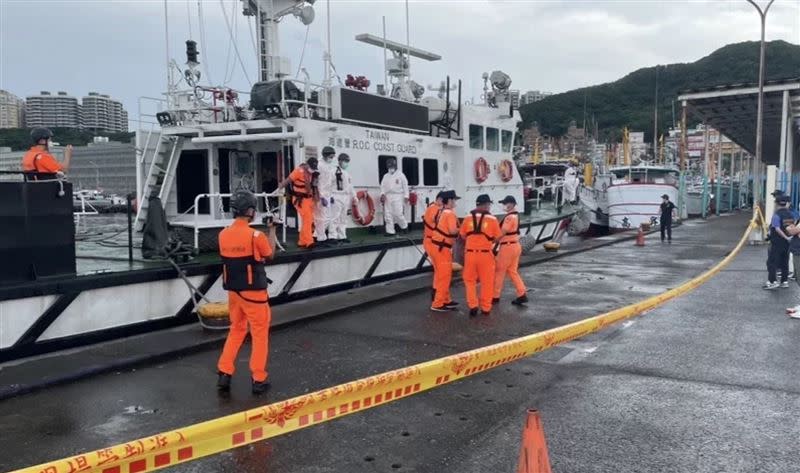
<point>665,223</point>
<point>778,253</point>
<point>443,236</point>
<point>323,213</point>
<point>793,231</point>
<point>394,194</point>
<point>508,252</point>
<point>342,198</point>
<point>429,220</point>
<point>479,231</point>
<point>301,188</point>
<point>244,252</point>
<point>38,164</point>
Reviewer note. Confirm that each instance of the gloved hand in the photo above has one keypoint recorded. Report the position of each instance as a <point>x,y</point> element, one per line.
<point>323,201</point>
<point>383,199</point>
<point>331,200</point>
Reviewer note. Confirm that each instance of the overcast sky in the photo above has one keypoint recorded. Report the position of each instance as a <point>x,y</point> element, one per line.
<point>118,47</point>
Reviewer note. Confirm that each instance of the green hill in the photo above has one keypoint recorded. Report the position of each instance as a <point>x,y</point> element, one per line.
<point>629,101</point>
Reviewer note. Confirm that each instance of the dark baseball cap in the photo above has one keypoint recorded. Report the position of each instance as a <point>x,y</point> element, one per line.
<point>665,196</point>
<point>328,150</point>
<point>777,192</point>
<point>782,199</point>
<point>449,195</point>
<point>483,199</point>
<point>509,199</point>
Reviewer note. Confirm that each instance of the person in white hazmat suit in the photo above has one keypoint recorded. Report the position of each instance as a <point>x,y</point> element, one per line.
<point>343,197</point>
<point>322,211</point>
<point>394,194</point>
<point>571,184</point>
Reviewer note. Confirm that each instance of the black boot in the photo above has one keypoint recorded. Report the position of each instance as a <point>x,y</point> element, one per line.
<point>520,300</point>
<point>223,381</point>
<point>433,294</point>
<point>473,312</point>
<point>260,387</point>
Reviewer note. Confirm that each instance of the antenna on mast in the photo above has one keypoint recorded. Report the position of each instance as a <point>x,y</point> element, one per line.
<point>397,67</point>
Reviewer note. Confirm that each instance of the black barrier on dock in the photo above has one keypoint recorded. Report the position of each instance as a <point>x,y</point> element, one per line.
<point>37,239</point>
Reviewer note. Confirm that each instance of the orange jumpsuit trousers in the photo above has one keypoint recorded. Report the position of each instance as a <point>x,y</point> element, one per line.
<point>258,316</point>
<point>479,267</point>
<point>305,211</point>
<point>429,248</point>
<point>508,264</point>
<point>442,274</point>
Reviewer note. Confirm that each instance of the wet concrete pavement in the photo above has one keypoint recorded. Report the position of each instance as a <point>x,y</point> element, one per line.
<point>708,382</point>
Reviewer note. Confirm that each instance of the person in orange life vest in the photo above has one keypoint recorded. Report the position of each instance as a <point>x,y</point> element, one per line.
<point>479,230</point>
<point>429,219</point>
<point>303,192</point>
<point>38,163</point>
<point>508,253</point>
<point>244,252</point>
<point>443,236</point>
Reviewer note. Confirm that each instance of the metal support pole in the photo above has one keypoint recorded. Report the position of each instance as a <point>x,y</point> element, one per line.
<point>706,147</point>
<point>730,180</point>
<point>130,227</point>
<point>760,113</point>
<point>719,174</point>
<point>785,130</point>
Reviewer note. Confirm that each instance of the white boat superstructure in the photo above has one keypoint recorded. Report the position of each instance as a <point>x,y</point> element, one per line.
<point>625,197</point>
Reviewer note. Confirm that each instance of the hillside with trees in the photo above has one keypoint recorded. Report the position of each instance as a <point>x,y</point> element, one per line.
<point>629,101</point>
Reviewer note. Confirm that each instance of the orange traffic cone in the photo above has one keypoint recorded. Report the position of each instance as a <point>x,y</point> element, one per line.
<point>640,237</point>
<point>533,456</point>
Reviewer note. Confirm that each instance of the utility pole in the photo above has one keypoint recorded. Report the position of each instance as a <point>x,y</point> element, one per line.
<point>760,113</point>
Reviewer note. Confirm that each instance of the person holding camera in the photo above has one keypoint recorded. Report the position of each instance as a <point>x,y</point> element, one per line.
<point>244,253</point>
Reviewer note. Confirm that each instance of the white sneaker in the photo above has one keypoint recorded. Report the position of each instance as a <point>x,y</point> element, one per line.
<point>792,277</point>
<point>785,284</point>
<point>771,285</point>
<point>793,310</point>
<point>794,315</point>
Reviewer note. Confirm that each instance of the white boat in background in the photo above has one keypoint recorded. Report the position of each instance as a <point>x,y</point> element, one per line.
<point>625,197</point>
<point>635,195</point>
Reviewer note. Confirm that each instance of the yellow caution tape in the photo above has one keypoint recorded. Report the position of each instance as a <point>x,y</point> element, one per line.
<point>235,430</point>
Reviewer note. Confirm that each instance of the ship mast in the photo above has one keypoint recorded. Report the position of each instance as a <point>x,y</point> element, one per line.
<point>271,65</point>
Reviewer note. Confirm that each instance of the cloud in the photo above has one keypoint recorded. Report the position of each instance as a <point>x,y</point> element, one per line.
<point>118,47</point>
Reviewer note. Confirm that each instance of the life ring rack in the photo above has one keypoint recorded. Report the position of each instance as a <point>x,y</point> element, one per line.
<point>481,170</point>
<point>363,220</point>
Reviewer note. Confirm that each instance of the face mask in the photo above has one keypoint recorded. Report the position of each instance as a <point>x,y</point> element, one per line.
<point>344,165</point>
<point>509,207</point>
<point>49,144</point>
<point>392,170</point>
<point>327,159</point>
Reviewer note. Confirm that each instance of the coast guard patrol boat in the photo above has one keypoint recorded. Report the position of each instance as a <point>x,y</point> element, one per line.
<point>210,143</point>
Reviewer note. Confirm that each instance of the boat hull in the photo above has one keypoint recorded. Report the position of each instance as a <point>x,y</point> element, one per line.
<point>630,205</point>
<point>64,313</point>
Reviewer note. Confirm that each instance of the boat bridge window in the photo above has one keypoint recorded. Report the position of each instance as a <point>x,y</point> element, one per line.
<point>508,138</point>
<point>382,168</point>
<point>411,170</point>
<point>476,137</point>
<point>492,139</point>
<point>430,172</point>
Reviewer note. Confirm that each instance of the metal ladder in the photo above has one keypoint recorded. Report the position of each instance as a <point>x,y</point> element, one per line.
<point>160,175</point>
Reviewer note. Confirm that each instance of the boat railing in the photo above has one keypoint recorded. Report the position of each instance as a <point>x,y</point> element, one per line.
<point>540,184</point>
<point>197,223</point>
<point>292,106</point>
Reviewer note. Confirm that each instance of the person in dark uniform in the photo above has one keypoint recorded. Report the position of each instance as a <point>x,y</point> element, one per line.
<point>778,253</point>
<point>667,209</point>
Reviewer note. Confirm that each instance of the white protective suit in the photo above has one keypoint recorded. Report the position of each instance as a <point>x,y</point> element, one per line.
<point>322,210</point>
<point>570,184</point>
<point>394,186</point>
<point>343,196</point>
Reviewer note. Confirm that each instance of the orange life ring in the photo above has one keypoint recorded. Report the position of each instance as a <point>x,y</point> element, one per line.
<point>506,170</point>
<point>481,170</point>
<point>366,219</point>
